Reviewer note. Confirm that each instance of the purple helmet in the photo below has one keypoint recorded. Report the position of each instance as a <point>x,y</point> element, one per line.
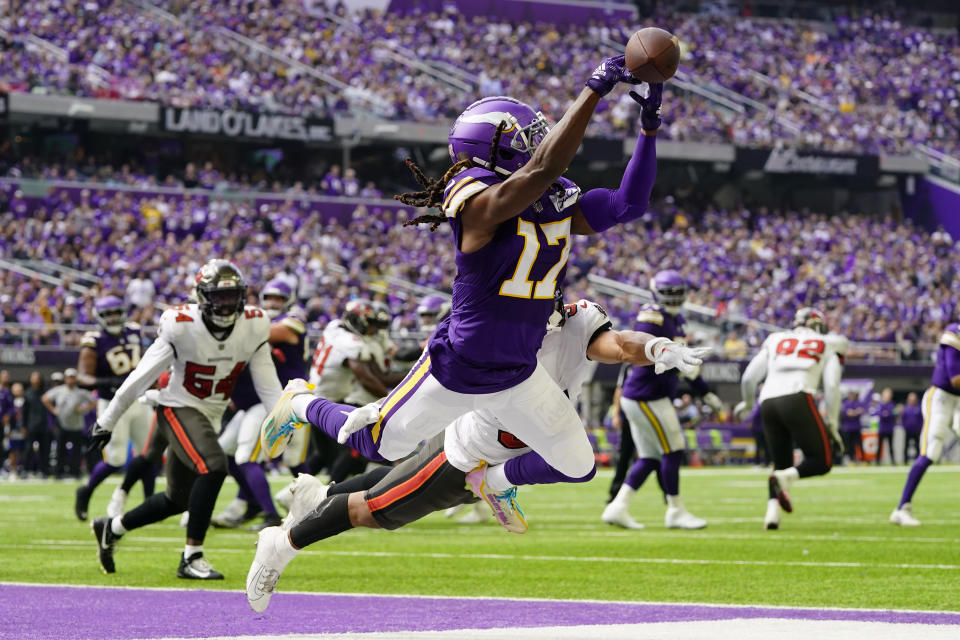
<point>472,133</point>
<point>276,288</point>
<point>432,310</point>
<point>110,313</point>
<point>669,290</point>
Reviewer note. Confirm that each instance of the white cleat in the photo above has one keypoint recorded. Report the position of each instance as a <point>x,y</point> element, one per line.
<point>452,511</point>
<point>772,519</point>
<point>503,504</point>
<point>232,516</point>
<point>308,492</point>
<point>476,515</point>
<point>617,515</point>
<point>284,497</point>
<point>118,503</point>
<point>903,516</point>
<point>680,518</point>
<point>274,552</point>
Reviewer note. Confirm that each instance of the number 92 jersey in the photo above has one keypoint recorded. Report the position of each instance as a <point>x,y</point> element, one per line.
<point>795,360</point>
<point>205,369</point>
<point>117,355</point>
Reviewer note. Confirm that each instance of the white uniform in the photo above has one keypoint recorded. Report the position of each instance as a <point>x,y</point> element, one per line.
<point>204,369</point>
<point>329,373</point>
<point>795,362</point>
<point>378,350</point>
<point>479,436</point>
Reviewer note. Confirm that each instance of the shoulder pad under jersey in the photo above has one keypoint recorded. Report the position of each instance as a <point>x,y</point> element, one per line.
<point>464,186</point>
<point>89,339</point>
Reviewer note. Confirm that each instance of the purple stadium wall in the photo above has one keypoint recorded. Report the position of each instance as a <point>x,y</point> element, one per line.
<point>524,10</point>
<point>935,202</point>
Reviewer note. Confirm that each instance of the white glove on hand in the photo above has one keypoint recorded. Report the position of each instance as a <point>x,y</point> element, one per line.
<point>837,440</point>
<point>741,410</point>
<point>714,402</point>
<point>150,397</point>
<point>667,354</point>
<point>358,419</point>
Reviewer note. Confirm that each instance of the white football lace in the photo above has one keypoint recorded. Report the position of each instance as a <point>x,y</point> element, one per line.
<point>268,580</point>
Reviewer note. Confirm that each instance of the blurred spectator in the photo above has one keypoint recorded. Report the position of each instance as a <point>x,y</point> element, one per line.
<point>885,411</point>
<point>734,347</point>
<point>16,431</point>
<point>140,291</point>
<point>69,404</point>
<point>851,415</point>
<point>911,417</point>
<point>37,457</point>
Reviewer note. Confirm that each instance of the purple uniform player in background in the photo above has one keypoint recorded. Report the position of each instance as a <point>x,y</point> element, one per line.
<point>511,215</point>
<point>886,413</point>
<point>241,437</point>
<point>939,404</point>
<point>647,401</point>
<point>106,358</point>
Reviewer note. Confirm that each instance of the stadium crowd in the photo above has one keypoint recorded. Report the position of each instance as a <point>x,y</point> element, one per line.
<point>846,86</point>
<point>877,280</point>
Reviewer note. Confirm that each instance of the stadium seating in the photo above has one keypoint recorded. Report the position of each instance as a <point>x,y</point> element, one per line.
<point>876,280</point>
<point>844,87</point>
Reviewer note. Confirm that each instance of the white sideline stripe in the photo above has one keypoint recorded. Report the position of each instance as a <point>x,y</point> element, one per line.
<point>498,598</point>
<point>575,559</point>
<point>740,628</point>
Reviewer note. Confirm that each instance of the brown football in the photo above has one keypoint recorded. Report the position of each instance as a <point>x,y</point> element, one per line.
<point>652,55</point>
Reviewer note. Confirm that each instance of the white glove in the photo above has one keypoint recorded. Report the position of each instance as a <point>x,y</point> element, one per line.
<point>358,419</point>
<point>150,397</point>
<point>667,354</point>
<point>741,410</point>
<point>714,402</point>
<point>835,436</point>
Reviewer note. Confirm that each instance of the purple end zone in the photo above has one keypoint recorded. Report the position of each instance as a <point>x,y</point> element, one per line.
<point>54,613</point>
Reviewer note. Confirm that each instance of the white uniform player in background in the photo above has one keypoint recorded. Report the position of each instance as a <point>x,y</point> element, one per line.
<point>206,346</point>
<point>792,364</point>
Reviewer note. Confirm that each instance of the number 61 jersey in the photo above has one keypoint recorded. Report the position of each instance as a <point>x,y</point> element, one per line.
<point>795,360</point>
<point>203,369</point>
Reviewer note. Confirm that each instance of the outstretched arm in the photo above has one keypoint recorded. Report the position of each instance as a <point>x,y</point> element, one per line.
<point>639,348</point>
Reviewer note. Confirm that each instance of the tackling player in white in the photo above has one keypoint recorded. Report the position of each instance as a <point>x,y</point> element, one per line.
<point>793,364</point>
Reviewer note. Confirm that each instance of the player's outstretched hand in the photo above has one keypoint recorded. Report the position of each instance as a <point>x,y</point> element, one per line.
<point>650,106</point>
<point>150,397</point>
<point>740,411</point>
<point>98,438</point>
<point>610,73</point>
<point>358,419</point>
<point>686,360</point>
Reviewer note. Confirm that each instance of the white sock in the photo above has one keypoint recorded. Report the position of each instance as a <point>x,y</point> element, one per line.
<point>790,475</point>
<point>625,494</point>
<point>189,550</point>
<point>496,479</point>
<point>116,526</point>
<point>285,548</point>
<point>674,501</point>
<point>299,404</point>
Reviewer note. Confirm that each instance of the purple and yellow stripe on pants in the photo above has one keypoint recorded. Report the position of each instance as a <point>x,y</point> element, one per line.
<point>399,396</point>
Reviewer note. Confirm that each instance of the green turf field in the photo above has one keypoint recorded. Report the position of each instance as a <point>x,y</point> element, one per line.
<point>835,550</point>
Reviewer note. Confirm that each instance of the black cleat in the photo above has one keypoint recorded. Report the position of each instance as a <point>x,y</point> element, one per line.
<point>106,543</point>
<point>82,502</point>
<point>780,494</point>
<point>269,520</point>
<point>197,568</point>
<point>770,526</point>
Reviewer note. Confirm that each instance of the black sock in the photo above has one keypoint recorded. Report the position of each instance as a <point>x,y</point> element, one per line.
<point>149,480</point>
<point>359,483</point>
<point>203,497</point>
<point>154,509</point>
<point>136,470</point>
<point>330,518</point>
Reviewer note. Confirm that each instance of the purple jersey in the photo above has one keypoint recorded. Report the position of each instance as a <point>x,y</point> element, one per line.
<point>290,360</point>
<point>503,293</point>
<point>117,356</point>
<point>642,383</point>
<point>912,419</point>
<point>886,416</point>
<point>849,418</point>
<point>948,359</point>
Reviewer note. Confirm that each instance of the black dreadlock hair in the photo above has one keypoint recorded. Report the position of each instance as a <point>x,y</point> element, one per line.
<point>432,193</point>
